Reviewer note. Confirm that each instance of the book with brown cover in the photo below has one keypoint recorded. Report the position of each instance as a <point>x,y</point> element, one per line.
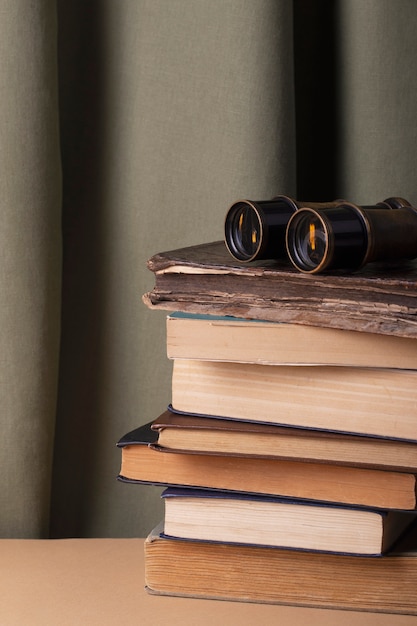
<point>247,573</point>
<point>143,463</point>
<point>206,279</point>
<point>205,435</point>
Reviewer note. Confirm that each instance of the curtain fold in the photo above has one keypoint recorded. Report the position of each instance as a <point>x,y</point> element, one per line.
<point>30,268</point>
<point>157,115</point>
<point>169,111</point>
<point>377,85</point>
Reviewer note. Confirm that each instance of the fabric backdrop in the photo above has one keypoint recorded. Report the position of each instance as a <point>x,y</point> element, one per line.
<point>128,127</point>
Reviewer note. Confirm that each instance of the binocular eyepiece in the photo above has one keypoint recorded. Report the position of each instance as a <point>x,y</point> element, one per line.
<point>321,236</point>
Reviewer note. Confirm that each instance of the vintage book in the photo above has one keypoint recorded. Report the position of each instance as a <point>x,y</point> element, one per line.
<point>206,279</point>
<point>143,463</point>
<point>226,338</point>
<point>205,435</point>
<point>261,520</point>
<point>201,569</point>
<point>367,401</point>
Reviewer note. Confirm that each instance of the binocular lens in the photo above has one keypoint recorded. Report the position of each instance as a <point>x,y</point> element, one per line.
<point>246,227</point>
<point>312,242</point>
<point>319,239</point>
<point>255,230</point>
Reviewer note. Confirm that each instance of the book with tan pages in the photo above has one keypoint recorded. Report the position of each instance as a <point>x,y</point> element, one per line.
<point>226,338</point>
<point>205,435</point>
<point>245,573</point>
<point>367,401</point>
<point>242,518</point>
<point>143,462</point>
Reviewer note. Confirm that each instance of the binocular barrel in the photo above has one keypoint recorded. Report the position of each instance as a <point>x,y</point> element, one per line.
<point>349,236</point>
<point>318,236</point>
<point>256,229</point>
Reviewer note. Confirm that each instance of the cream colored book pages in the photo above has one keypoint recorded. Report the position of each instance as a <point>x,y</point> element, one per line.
<point>366,451</point>
<point>217,339</point>
<point>283,524</point>
<point>369,401</point>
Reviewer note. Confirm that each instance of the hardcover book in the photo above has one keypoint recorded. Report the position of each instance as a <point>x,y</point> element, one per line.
<point>143,463</point>
<point>246,573</point>
<point>367,401</point>
<point>205,435</point>
<point>226,338</point>
<point>207,515</point>
<point>206,279</point>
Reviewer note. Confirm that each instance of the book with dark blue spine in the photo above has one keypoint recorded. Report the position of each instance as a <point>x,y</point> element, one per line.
<point>205,515</point>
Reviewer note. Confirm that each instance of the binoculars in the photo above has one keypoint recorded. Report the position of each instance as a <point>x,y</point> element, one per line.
<point>321,236</point>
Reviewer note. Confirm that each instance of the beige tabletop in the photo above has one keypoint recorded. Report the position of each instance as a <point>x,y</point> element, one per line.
<point>88,582</point>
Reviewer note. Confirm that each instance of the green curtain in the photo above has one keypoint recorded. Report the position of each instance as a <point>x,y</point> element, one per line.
<point>128,128</point>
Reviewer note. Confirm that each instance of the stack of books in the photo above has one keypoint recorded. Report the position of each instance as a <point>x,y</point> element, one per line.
<point>288,456</point>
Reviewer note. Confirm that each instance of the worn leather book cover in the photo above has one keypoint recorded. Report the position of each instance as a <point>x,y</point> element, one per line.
<point>206,279</point>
